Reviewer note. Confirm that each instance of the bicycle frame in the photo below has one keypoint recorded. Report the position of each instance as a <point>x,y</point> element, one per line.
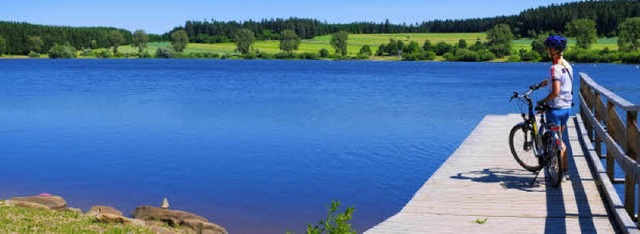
<point>531,120</point>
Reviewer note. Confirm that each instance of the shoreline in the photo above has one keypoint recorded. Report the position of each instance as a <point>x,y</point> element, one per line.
<point>333,60</point>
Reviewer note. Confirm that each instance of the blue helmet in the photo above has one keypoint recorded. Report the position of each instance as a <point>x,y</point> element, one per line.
<point>556,42</point>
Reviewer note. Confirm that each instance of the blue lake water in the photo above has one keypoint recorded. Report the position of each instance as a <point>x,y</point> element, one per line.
<point>256,146</point>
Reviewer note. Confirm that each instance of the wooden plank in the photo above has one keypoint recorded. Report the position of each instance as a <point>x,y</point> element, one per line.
<point>621,102</point>
<point>481,180</point>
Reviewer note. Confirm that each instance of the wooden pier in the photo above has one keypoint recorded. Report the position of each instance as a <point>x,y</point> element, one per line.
<point>482,189</point>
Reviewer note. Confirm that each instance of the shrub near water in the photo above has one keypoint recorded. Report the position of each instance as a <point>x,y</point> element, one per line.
<point>324,53</point>
<point>429,55</point>
<point>34,55</point>
<point>309,55</point>
<point>163,52</point>
<point>62,51</point>
<point>103,53</point>
<point>286,55</point>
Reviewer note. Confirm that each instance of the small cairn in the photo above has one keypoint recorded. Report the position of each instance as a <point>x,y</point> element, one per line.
<point>165,204</point>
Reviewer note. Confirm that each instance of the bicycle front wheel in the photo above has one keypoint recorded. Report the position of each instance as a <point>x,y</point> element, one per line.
<point>522,148</point>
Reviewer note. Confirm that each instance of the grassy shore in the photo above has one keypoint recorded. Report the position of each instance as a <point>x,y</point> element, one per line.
<point>29,220</point>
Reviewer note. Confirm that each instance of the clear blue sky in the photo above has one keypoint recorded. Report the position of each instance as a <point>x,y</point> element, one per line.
<point>159,16</point>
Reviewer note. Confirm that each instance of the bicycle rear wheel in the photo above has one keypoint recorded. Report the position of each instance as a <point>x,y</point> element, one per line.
<point>554,166</point>
<point>553,160</point>
<point>523,149</point>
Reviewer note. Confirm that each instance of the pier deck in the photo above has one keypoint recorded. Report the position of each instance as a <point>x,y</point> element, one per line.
<point>482,189</point>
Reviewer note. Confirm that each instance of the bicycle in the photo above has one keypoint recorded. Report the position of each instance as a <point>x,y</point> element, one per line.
<point>535,148</point>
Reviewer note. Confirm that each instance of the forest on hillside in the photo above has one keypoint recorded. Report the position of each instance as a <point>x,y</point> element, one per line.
<point>529,23</point>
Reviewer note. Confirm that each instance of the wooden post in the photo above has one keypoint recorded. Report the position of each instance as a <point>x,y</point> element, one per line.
<point>610,159</point>
<point>597,100</point>
<point>631,146</point>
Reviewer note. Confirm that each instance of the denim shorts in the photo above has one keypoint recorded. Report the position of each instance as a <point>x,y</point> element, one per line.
<point>559,116</point>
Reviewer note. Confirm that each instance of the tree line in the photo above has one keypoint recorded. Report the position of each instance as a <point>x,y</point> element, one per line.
<point>17,36</point>
<point>529,23</point>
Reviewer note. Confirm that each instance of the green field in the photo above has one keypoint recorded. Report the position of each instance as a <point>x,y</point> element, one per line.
<point>356,41</point>
<point>611,43</point>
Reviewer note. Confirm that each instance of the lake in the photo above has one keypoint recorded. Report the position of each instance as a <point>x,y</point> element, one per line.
<point>257,146</point>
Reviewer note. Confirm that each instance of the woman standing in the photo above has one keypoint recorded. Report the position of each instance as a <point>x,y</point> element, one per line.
<point>560,95</point>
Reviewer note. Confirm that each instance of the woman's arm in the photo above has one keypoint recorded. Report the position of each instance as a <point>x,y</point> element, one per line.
<point>555,91</point>
<point>543,83</point>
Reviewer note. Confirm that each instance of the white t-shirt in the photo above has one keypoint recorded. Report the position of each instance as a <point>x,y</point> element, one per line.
<point>562,74</point>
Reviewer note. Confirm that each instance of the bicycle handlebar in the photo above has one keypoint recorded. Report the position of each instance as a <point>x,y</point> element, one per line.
<point>527,93</point>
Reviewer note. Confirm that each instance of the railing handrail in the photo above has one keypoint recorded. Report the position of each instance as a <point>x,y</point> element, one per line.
<point>621,102</point>
<point>603,125</point>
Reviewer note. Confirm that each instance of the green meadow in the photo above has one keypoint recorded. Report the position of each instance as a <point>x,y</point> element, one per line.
<point>356,41</point>
<point>611,43</point>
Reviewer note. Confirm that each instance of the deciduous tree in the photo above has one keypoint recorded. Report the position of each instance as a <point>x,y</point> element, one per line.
<point>244,38</point>
<point>35,43</point>
<point>629,34</point>
<point>500,38</point>
<point>115,39</point>
<point>140,40</point>
<point>179,40</point>
<point>289,40</point>
<point>584,30</point>
<point>339,42</point>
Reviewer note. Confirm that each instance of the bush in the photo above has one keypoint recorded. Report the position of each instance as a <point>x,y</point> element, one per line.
<point>309,55</point>
<point>62,51</point>
<point>87,53</point>
<point>197,55</point>
<point>163,52</point>
<point>630,57</point>
<point>119,55</point>
<point>514,58</point>
<point>582,56</point>
<point>264,55</point>
<point>335,222</point>
<point>361,57</point>
<point>324,53</point>
<point>225,56</point>
<point>442,48</point>
<point>34,55</point>
<point>449,56</point>
<point>365,51</point>
<point>250,55</point>
<point>486,55</point>
<point>285,55</point>
<point>144,54</point>
<point>465,55</point>
<point>530,56</point>
<point>103,53</point>
<point>418,56</point>
<point>339,57</point>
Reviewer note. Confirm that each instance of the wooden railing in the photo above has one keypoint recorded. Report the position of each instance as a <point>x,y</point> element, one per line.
<point>603,125</point>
